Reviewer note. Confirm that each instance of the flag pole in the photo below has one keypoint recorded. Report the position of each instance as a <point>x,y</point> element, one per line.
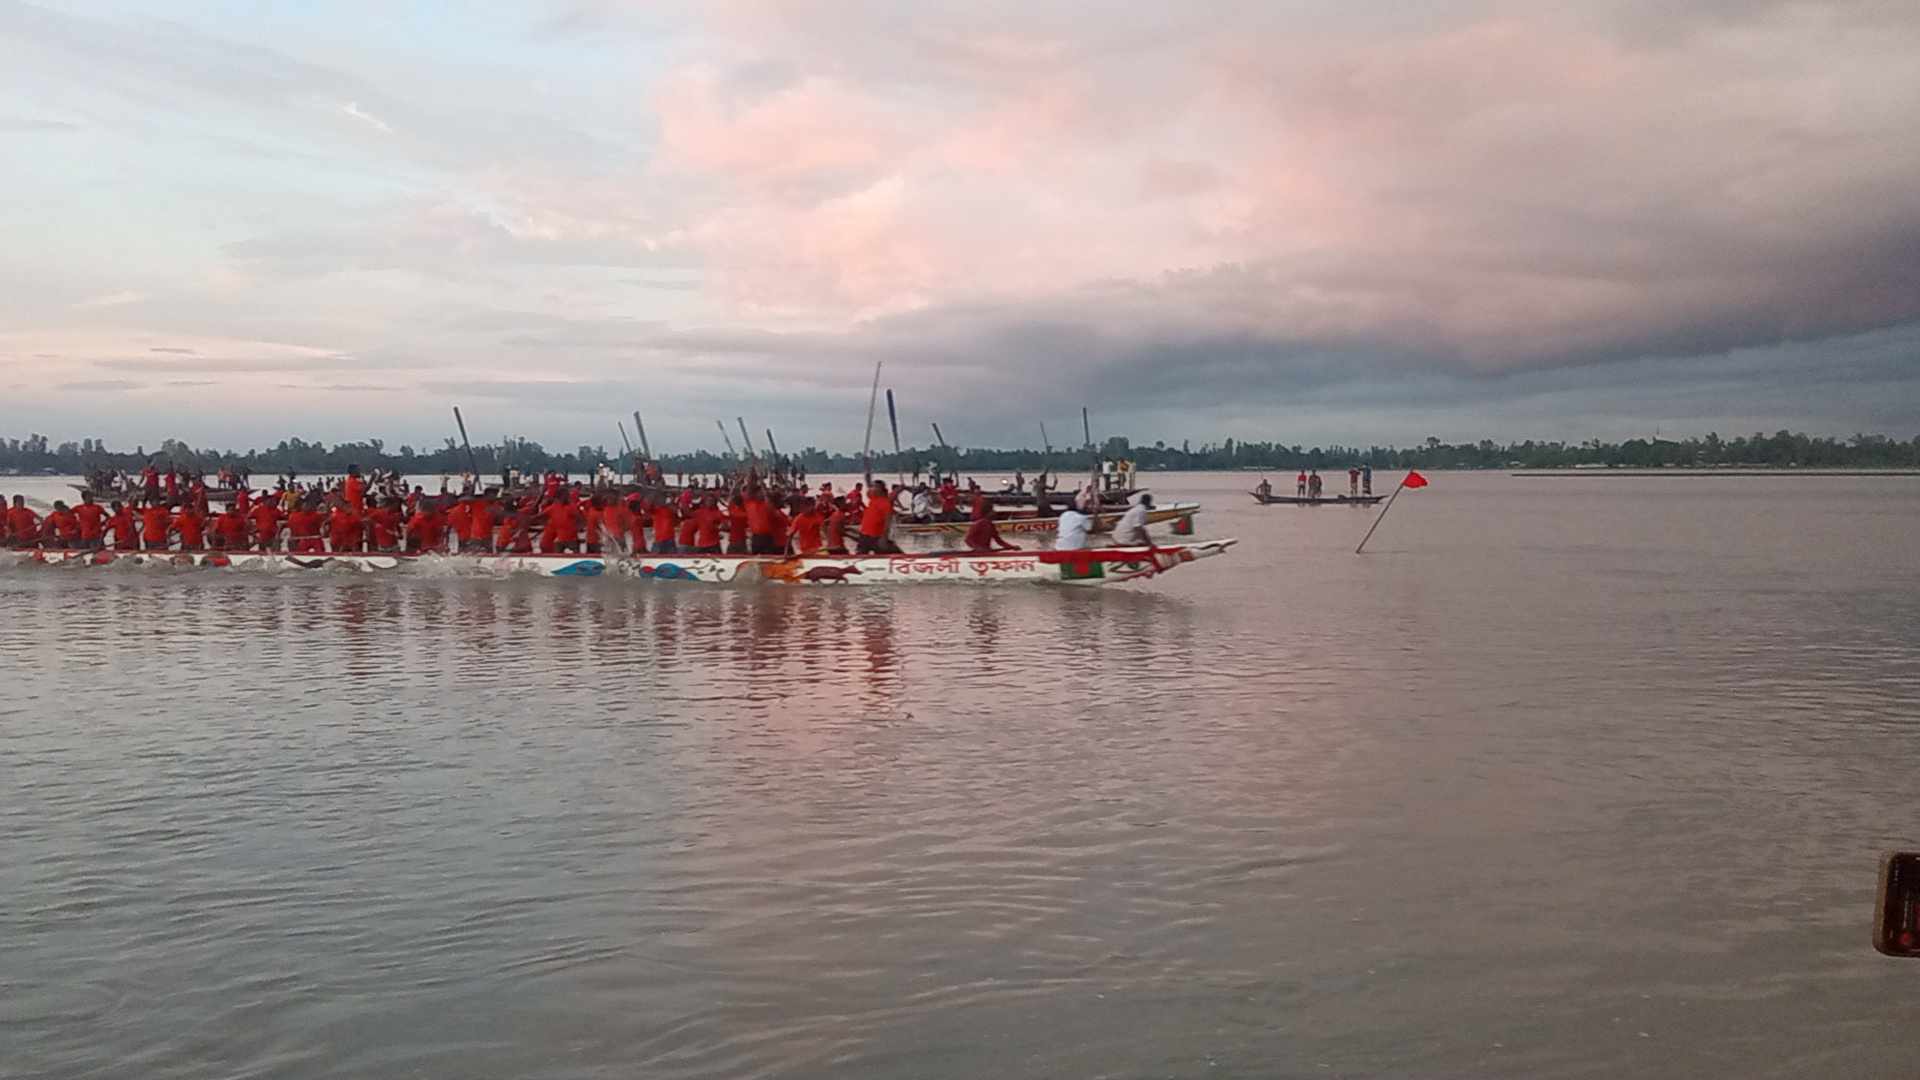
<point>1383,514</point>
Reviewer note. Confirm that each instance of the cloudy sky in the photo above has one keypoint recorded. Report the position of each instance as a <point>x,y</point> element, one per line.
<point>1294,219</point>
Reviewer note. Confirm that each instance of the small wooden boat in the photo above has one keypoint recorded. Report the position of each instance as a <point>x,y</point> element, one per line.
<point>1179,514</point>
<point>103,496</point>
<point>1306,500</point>
<point>1093,566</point>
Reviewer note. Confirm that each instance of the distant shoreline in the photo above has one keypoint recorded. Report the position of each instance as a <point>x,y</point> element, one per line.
<point>1696,472</point>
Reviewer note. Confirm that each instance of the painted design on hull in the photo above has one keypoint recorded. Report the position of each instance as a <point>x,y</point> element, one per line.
<point>1096,566</point>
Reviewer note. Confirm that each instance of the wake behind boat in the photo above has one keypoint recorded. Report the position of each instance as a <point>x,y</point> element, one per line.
<point>1088,566</point>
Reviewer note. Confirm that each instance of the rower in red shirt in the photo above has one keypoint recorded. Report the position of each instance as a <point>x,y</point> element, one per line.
<point>266,524</point>
<point>983,534</point>
<point>687,540</point>
<point>512,536</point>
<point>426,529</point>
<point>126,536</point>
<point>806,529</point>
<point>479,529</point>
<point>591,517</point>
<point>759,522</point>
<point>346,530</point>
<point>459,519</point>
<point>192,527</point>
<point>949,501</point>
<point>562,529</point>
<point>230,530</point>
<point>93,522</point>
<point>355,489</point>
<point>736,526</point>
<point>383,525</point>
<point>156,527</point>
<point>663,528</point>
<point>782,528</point>
<point>62,528</point>
<point>303,530</point>
<point>23,525</point>
<point>707,521</point>
<point>837,527</point>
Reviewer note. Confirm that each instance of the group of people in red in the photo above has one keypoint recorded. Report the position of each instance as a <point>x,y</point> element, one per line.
<point>748,517</point>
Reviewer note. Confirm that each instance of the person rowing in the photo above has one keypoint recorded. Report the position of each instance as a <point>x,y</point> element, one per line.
<point>983,535</point>
<point>1074,527</point>
<point>1131,529</point>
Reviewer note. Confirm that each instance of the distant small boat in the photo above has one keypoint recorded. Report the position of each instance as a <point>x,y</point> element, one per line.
<point>1324,500</point>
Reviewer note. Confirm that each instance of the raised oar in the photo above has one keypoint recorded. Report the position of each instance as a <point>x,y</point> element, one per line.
<point>731,452</point>
<point>772,447</point>
<point>942,440</point>
<point>873,398</point>
<point>893,418</point>
<point>473,465</point>
<point>624,441</point>
<point>746,438</point>
<point>640,429</point>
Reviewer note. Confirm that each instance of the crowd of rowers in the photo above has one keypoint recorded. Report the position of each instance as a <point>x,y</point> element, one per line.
<point>746,516</point>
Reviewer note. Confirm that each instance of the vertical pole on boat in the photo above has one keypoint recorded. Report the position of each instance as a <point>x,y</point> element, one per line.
<point>1093,457</point>
<point>1383,515</point>
<point>893,418</point>
<point>946,452</point>
<point>873,398</point>
<point>472,465</point>
<point>640,429</point>
<point>1046,463</point>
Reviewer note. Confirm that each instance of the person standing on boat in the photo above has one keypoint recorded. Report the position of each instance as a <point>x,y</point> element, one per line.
<point>1353,480</point>
<point>1265,490</point>
<point>876,524</point>
<point>1131,530</point>
<point>1074,527</point>
<point>1300,484</point>
<point>1315,485</point>
<point>1366,479</point>
<point>356,490</point>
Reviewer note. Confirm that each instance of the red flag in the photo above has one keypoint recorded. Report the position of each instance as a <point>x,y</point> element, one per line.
<point>1414,480</point>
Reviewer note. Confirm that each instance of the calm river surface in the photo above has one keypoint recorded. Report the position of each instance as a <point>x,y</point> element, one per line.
<point>1566,777</point>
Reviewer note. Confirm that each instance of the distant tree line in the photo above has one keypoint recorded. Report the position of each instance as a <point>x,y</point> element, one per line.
<point>1783,449</point>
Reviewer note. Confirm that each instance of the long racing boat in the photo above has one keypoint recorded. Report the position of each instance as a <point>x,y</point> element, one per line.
<point>1091,566</point>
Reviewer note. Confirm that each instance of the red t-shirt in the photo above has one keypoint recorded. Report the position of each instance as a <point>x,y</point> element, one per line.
<point>662,523</point>
<point>873,518</point>
<point>563,521</point>
<point>737,525</point>
<point>806,532</point>
<point>759,517</point>
<point>93,520</point>
<point>384,522</point>
<point>192,528</point>
<point>708,520</point>
<point>689,529</point>
<point>155,523</point>
<point>123,528</point>
<point>231,528</point>
<point>344,529</point>
<point>62,525</point>
<point>266,522</point>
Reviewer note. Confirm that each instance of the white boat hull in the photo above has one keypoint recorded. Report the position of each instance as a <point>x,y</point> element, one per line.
<point>1097,566</point>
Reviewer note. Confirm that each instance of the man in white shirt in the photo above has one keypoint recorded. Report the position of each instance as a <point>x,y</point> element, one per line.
<point>1074,527</point>
<point>1131,530</point>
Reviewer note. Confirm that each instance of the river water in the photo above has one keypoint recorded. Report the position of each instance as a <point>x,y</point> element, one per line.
<point>1565,777</point>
